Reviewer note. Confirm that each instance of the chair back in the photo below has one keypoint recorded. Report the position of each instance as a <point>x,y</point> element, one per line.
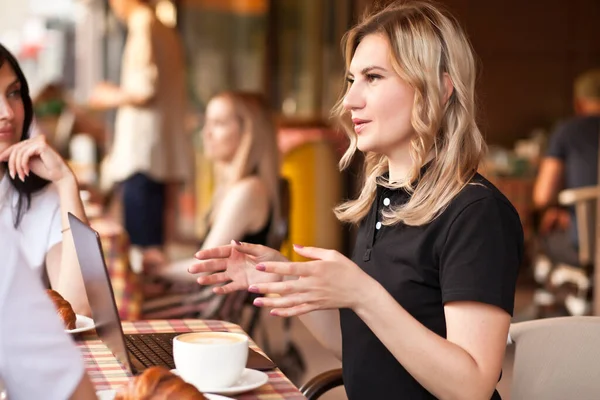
<point>282,230</point>
<point>584,200</point>
<point>556,359</point>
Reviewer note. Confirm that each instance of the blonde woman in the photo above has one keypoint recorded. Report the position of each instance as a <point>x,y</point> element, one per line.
<point>240,139</point>
<point>426,299</point>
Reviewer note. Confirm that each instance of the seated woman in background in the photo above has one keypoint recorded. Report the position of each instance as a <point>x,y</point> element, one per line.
<point>240,139</point>
<point>37,190</point>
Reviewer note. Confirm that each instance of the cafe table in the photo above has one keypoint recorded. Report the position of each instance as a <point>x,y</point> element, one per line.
<point>107,373</point>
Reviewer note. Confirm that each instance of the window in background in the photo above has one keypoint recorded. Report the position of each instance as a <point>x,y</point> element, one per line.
<point>305,63</point>
<point>225,43</point>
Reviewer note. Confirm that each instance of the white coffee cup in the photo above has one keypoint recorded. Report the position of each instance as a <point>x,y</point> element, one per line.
<point>210,360</point>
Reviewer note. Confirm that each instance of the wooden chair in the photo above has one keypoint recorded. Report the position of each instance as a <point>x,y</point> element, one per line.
<point>322,383</point>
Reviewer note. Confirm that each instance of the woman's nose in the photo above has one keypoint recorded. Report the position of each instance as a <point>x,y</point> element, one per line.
<point>353,99</point>
<point>6,111</point>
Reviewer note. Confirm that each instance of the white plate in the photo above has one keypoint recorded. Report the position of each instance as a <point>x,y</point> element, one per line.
<point>110,395</point>
<point>82,324</point>
<point>250,380</point>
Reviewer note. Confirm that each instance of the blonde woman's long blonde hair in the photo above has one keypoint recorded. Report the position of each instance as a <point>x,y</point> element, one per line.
<point>257,153</point>
<point>426,44</point>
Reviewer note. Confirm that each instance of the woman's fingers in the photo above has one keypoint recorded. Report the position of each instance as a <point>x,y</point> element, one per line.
<point>213,265</point>
<point>219,277</point>
<point>250,249</point>
<point>285,287</point>
<point>294,311</point>
<point>23,161</point>
<point>281,301</point>
<point>316,253</point>
<point>228,288</point>
<point>215,252</point>
<point>12,159</point>
<point>287,268</point>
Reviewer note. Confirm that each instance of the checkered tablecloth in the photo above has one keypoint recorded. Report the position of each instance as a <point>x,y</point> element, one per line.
<point>107,373</point>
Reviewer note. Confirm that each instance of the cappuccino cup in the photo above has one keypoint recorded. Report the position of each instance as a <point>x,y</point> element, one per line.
<point>210,360</point>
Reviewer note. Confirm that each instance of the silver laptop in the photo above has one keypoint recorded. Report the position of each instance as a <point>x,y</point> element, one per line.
<point>135,351</point>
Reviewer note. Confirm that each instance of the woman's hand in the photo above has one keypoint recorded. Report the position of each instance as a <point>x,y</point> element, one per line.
<point>331,281</point>
<point>37,156</point>
<point>235,263</point>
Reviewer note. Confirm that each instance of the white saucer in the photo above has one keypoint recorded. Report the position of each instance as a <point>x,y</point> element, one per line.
<point>250,380</point>
<point>82,324</point>
<point>110,395</point>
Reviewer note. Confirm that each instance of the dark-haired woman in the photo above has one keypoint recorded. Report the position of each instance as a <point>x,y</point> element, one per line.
<point>37,190</point>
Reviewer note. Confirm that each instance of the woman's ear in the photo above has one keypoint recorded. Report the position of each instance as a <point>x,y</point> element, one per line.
<point>448,86</point>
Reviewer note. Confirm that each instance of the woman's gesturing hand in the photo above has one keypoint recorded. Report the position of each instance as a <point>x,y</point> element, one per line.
<point>37,156</point>
<point>234,264</point>
<point>330,281</point>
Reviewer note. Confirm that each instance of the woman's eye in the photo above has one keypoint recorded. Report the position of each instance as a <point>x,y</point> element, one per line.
<point>373,77</point>
<point>15,93</point>
<point>350,80</point>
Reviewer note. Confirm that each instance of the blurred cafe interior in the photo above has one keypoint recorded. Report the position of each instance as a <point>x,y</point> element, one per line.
<point>529,55</point>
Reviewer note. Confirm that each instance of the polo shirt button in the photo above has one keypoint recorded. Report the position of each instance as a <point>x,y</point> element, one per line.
<point>386,202</point>
<point>378,225</point>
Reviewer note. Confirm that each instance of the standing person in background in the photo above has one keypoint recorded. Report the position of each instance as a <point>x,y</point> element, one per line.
<point>151,152</point>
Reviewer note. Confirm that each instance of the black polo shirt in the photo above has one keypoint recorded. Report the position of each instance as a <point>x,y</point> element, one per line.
<point>470,252</point>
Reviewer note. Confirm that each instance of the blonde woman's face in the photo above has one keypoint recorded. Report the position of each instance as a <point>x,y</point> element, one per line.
<point>222,131</point>
<point>378,100</point>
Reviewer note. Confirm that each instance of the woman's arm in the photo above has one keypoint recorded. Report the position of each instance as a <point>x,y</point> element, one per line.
<point>61,261</point>
<point>35,155</point>
<point>466,365</point>
<point>324,325</point>
<point>245,208</point>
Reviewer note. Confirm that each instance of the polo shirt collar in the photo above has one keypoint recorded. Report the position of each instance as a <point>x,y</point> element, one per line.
<point>385,177</point>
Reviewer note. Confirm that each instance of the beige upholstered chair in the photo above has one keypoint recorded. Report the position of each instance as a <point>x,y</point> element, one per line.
<point>556,359</point>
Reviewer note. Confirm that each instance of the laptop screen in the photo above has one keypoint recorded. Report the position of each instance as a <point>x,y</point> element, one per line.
<point>99,289</point>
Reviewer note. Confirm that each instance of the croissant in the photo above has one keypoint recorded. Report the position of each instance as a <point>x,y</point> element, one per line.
<point>157,383</point>
<point>64,309</point>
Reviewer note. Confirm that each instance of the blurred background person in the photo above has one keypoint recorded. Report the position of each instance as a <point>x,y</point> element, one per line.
<point>240,139</point>
<point>151,153</point>
<point>571,162</point>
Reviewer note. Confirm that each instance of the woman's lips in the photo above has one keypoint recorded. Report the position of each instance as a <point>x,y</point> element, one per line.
<point>359,124</point>
<point>6,133</point>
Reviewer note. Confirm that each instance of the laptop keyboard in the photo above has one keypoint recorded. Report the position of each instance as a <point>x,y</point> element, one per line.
<point>152,348</point>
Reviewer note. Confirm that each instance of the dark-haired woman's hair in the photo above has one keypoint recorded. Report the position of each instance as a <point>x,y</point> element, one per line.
<point>32,183</point>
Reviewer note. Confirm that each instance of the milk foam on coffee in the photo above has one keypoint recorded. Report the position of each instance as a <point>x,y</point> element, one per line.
<point>210,338</point>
